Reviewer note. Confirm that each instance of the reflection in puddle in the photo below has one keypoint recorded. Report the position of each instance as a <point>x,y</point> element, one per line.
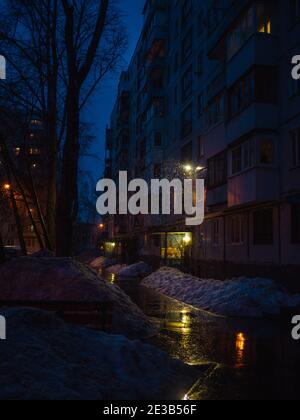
<point>249,359</point>
<point>240,349</point>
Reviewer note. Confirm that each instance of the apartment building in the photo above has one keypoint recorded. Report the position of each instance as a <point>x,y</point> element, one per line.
<point>209,90</point>
<point>29,155</point>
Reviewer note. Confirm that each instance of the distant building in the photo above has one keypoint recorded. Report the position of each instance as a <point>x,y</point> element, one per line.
<point>209,87</point>
<point>29,154</point>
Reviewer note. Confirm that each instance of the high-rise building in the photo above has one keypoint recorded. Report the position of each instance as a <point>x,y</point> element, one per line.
<point>209,89</point>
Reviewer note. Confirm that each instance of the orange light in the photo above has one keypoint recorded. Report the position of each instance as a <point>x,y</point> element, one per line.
<point>6,187</point>
<point>101,226</point>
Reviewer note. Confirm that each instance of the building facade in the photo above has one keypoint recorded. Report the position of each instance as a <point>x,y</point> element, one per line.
<point>209,89</point>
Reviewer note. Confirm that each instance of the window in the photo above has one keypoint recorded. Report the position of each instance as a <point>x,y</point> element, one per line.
<point>187,84</point>
<point>187,9</point>
<point>187,121</point>
<point>200,65</point>
<point>215,234</point>
<point>201,147</point>
<point>34,151</point>
<point>295,137</point>
<point>236,230</point>
<point>217,170</point>
<point>241,33</point>
<point>17,151</point>
<point>187,47</point>
<point>295,218</point>
<point>187,153</point>
<point>201,105</point>
<point>242,157</point>
<point>157,171</point>
<point>259,85</point>
<point>294,9</point>
<point>264,19</point>
<point>267,152</point>
<point>215,112</point>
<point>157,139</point>
<point>263,227</point>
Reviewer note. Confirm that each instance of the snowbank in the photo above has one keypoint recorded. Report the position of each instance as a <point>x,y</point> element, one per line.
<point>102,263</point>
<point>64,279</point>
<point>242,297</point>
<point>136,270</point>
<point>115,269</point>
<point>46,359</point>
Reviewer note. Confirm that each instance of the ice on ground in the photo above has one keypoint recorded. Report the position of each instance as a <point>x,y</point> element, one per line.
<point>140,269</point>
<point>65,279</point>
<point>46,359</point>
<point>242,297</point>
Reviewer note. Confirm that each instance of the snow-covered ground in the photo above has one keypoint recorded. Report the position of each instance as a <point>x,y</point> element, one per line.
<point>102,263</point>
<point>136,270</point>
<point>65,280</point>
<point>46,359</point>
<point>115,269</point>
<point>243,297</point>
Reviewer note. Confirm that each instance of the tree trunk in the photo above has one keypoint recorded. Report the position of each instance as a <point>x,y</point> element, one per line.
<point>2,252</point>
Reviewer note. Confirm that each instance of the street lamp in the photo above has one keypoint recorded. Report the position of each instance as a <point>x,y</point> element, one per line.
<point>6,187</point>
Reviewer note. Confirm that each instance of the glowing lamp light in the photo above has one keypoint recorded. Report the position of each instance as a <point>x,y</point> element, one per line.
<point>6,187</point>
<point>187,239</point>
<point>101,226</point>
<point>199,168</point>
<point>188,168</point>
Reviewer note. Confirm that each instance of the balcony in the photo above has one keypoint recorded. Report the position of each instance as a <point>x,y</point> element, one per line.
<point>259,184</point>
<point>260,49</point>
<point>258,116</point>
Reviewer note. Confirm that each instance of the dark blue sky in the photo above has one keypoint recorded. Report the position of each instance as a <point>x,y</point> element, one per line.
<point>98,111</point>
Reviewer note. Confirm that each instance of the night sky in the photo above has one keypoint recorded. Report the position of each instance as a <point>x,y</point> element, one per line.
<point>98,111</point>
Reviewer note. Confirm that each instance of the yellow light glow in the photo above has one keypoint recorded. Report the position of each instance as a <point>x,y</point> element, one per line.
<point>101,226</point>
<point>188,168</point>
<point>240,348</point>
<point>199,168</point>
<point>187,239</point>
<point>6,187</point>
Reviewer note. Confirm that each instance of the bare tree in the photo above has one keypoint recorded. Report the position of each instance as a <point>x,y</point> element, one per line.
<point>58,52</point>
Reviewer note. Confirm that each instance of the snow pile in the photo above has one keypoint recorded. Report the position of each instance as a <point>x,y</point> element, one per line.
<point>102,263</point>
<point>88,256</point>
<point>65,280</point>
<point>115,269</point>
<point>46,359</point>
<point>136,270</point>
<point>243,297</point>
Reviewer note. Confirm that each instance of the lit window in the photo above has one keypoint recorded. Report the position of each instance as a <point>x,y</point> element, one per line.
<point>17,151</point>
<point>34,151</point>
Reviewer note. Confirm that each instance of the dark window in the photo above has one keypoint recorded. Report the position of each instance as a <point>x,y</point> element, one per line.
<point>260,85</point>
<point>157,139</point>
<point>267,152</point>
<point>157,171</point>
<point>295,210</point>
<point>201,147</point>
<point>187,47</point>
<point>187,121</point>
<point>214,113</point>
<point>217,170</point>
<point>294,8</point>
<point>187,84</point>
<point>295,138</point>
<point>263,227</point>
<point>187,153</point>
<point>187,9</point>
<point>201,105</point>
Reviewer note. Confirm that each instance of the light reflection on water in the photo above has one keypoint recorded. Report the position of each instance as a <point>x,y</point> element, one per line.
<point>249,359</point>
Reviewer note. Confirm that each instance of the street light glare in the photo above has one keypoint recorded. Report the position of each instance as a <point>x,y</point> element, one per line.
<point>188,168</point>
<point>6,187</point>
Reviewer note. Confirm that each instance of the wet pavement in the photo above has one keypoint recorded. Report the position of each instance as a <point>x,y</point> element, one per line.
<point>242,359</point>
